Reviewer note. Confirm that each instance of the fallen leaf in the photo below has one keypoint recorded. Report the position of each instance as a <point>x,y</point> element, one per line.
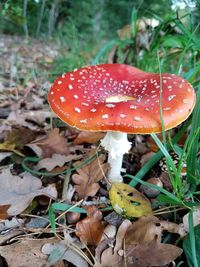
<point>16,139</point>
<point>108,239</point>
<point>39,222</point>
<point>19,118</point>
<point>88,177</point>
<point>3,211</point>
<point>56,160</point>
<point>145,229</point>
<point>4,155</point>
<point>60,251</point>
<point>196,219</point>
<point>129,202</point>
<point>53,144</point>
<point>59,264</point>
<point>90,229</point>
<point>110,256</point>
<point>25,253</point>
<point>10,147</point>
<point>88,137</point>
<point>20,136</point>
<point>125,32</point>
<point>156,254</point>
<point>143,237</point>
<point>146,157</point>
<point>18,192</point>
<point>37,116</point>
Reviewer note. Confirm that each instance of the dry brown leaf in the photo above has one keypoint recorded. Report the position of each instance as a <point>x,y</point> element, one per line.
<point>56,160</point>
<point>90,229</point>
<point>18,192</point>
<point>153,146</point>
<point>3,211</point>
<point>59,264</point>
<point>111,257</point>
<point>144,237</point>
<point>20,136</point>
<point>146,157</point>
<point>88,177</point>
<point>88,137</point>
<point>19,118</point>
<point>25,253</point>
<point>145,229</point>
<point>156,254</point>
<point>17,138</point>
<point>53,144</point>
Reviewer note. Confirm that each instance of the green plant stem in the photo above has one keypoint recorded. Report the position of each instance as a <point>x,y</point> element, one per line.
<point>192,239</point>
<point>141,173</point>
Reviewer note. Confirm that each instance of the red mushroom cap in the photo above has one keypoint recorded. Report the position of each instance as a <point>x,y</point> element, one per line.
<point>118,97</point>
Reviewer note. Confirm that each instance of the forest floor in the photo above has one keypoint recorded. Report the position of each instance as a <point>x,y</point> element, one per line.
<point>34,147</point>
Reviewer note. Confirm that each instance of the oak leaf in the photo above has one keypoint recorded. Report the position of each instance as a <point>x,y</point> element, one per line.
<point>54,143</point>
<point>143,237</point>
<point>90,229</point>
<point>19,191</point>
<point>156,254</point>
<point>88,177</point>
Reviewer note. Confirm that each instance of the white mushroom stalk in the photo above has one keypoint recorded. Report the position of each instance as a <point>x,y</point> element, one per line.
<point>117,144</point>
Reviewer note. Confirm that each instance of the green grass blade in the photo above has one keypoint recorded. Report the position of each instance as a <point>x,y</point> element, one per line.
<point>192,157</point>
<point>165,152</point>
<point>165,192</point>
<point>144,170</point>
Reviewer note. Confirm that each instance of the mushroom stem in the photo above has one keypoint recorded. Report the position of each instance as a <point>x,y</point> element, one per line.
<point>115,170</point>
<point>117,145</point>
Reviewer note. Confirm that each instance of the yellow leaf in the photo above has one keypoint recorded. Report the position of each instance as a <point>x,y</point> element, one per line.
<point>129,202</point>
<point>10,147</point>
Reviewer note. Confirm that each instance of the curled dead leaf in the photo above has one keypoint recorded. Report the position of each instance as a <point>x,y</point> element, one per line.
<point>90,229</point>
<point>110,256</point>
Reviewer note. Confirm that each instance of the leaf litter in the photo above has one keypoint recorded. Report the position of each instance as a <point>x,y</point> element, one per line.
<point>104,237</point>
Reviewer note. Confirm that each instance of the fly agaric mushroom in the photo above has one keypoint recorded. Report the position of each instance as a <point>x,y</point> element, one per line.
<point>120,99</point>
